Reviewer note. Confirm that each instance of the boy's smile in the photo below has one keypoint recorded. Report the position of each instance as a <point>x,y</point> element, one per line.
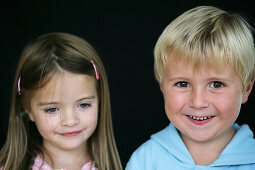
<point>202,104</point>
<point>200,120</point>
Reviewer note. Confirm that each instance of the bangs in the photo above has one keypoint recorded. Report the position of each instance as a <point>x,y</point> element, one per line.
<point>207,39</point>
<point>204,55</point>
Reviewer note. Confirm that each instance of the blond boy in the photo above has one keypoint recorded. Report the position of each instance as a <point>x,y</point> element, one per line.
<point>204,64</point>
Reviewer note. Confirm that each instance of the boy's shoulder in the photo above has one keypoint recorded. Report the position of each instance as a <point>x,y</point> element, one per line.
<point>166,140</point>
<point>145,156</point>
<point>152,145</point>
<point>162,150</point>
<point>158,141</point>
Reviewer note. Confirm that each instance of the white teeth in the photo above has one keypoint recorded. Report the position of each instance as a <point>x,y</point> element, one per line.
<point>201,118</point>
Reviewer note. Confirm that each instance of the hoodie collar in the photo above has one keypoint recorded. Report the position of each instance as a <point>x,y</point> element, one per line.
<point>240,151</point>
<point>170,139</point>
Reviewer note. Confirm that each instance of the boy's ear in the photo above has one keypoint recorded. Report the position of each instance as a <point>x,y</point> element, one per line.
<point>161,87</point>
<point>31,116</point>
<point>247,92</point>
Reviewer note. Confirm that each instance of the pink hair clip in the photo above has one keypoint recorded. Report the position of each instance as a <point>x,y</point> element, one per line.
<point>95,68</point>
<point>19,92</point>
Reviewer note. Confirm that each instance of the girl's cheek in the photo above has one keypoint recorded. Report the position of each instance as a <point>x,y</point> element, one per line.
<point>50,123</point>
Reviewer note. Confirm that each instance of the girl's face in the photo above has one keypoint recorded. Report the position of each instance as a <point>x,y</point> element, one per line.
<point>65,111</point>
<point>203,105</point>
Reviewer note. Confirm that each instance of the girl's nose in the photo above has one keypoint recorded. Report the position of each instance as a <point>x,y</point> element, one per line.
<point>69,118</point>
<point>199,98</point>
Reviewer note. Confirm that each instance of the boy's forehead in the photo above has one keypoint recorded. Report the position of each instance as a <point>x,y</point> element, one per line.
<point>182,69</point>
<point>198,63</point>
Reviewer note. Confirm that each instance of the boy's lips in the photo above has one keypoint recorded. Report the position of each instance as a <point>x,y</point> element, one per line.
<point>71,133</point>
<point>200,120</point>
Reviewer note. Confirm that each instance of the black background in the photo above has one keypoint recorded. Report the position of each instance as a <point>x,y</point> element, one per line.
<point>124,34</point>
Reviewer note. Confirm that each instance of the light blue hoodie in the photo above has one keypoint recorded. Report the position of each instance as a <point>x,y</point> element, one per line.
<point>166,151</point>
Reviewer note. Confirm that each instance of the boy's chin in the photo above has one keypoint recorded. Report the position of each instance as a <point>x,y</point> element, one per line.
<point>207,136</point>
<point>196,137</point>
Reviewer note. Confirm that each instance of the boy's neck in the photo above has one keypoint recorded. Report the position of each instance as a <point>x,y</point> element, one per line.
<point>205,153</point>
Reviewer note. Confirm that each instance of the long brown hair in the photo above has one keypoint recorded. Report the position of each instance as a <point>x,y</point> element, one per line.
<point>39,60</point>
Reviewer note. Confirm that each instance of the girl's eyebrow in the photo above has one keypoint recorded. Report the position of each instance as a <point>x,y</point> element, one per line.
<point>54,103</point>
<point>46,103</point>
<point>86,98</point>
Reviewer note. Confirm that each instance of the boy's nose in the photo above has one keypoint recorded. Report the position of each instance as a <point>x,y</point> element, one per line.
<point>199,98</point>
<point>69,118</point>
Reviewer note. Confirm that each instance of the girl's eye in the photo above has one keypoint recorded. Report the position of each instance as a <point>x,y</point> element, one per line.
<point>217,84</point>
<point>84,105</point>
<point>182,84</point>
<point>51,110</point>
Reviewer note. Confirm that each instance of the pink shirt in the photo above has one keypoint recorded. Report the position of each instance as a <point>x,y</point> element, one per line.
<point>39,164</point>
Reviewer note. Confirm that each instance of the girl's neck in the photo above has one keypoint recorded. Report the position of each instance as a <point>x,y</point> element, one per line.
<point>70,159</point>
<point>205,153</point>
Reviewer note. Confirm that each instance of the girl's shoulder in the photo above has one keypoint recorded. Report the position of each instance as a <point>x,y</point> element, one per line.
<point>40,164</point>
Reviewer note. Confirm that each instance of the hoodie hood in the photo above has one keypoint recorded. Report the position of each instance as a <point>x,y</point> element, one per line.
<point>240,151</point>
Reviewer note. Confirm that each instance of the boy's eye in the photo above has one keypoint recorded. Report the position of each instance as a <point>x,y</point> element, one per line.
<point>182,84</point>
<point>217,84</point>
<point>51,110</point>
<point>84,105</point>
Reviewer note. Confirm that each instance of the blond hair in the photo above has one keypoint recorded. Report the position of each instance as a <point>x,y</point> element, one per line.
<point>208,36</point>
<point>39,60</point>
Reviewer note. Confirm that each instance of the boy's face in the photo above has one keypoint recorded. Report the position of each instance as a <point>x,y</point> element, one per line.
<point>202,105</point>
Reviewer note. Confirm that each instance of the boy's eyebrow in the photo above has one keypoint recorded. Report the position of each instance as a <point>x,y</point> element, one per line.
<point>177,78</point>
<point>221,78</point>
<point>54,102</point>
<point>228,79</point>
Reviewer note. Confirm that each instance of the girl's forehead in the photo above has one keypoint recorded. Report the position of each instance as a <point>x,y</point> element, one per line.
<point>67,85</point>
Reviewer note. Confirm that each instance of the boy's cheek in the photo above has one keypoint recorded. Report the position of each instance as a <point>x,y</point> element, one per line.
<point>174,102</point>
<point>227,109</point>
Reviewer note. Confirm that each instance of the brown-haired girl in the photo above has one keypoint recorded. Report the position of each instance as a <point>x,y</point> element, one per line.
<point>60,114</point>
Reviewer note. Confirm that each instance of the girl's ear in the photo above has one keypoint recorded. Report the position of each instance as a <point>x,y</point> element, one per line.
<point>31,116</point>
<point>247,92</point>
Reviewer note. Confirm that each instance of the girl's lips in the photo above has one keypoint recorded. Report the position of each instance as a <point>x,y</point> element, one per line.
<point>70,134</point>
